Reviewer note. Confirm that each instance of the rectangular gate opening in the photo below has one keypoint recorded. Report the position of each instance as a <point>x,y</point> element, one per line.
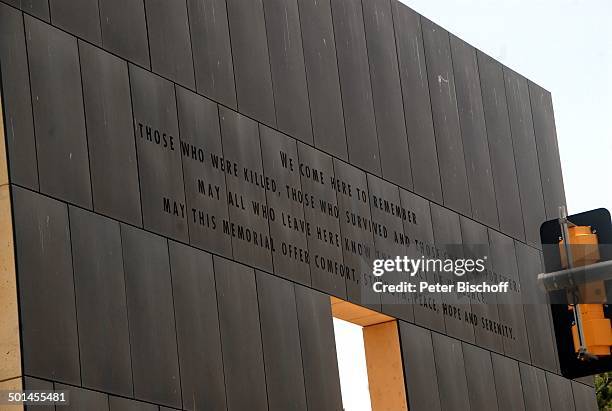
<point>368,342</point>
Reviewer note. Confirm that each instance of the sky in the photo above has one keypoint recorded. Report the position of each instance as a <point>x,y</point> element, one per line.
<point>564,46</point>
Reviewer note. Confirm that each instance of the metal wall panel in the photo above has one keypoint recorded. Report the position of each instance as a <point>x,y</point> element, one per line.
<point>455,307</point>
<point>159,160</point>
<point>507,383</point>
<point>535,388</point>
<point>246,191</point>
<point>197,328</point>
<point>389,240</point>
<point>355,85</point>
<point>560,393</point>
<point>548,149</point>
<point>480,379</point>
<point>476,245</point>
<point>169,40</point>
<point>511,314</point>
<point>537,315</point>
<point>420,239</point>
<point>212,54</point>
<point>584,397</point>
<point>322,76</point>
<point>452,382</point>
<point>500,146</point>
<point>417,105</point>
<point>124,29</point>
<point>474,132</point>
<point>30,383</point>
<point>320,364</point>
<point>81,399</point>
<point>46,287</point>
<point>152,327</point>
<point>99,285</point>
<point>395,157</point>
<point>110,135</point>
<point>525,155</point>
<point>245,380</point>
<point>38,8</point>
<point>251,59</point>
<point>327,267</point>
<point>81,18</point>
<point>288,227</point>
<point>419,368</point>
<point>59,120</point>
<point>17,104</point>
<point>281,343</point>
<point>205,189</point>
<point>451,159</point>
<point>287,67</point>
<point>356,226</point>
<point>123,404</point>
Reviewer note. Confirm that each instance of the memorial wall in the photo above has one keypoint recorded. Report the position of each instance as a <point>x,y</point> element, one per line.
<point>188,182</point>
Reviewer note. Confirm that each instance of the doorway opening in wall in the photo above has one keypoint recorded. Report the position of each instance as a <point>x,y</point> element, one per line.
<point>369,358</point>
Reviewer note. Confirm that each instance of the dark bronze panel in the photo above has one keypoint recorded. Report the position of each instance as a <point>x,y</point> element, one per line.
<point>507,383</point>
<point>148,284</point>
<point>99,284</point>
<point>395,157</point>
<point>123,404</point>
<point>197,328</point>
<point>80,18</point>
<point>169,40</point>
<point>420,240</point>
<point>246,191</point>
<point>327,268</point>
<point>112,151</point>
<point>355,85</point>
<point>281,343</point>
<point>537,316</point>
<point>474,132</point>
<point>560,393</point>
<point>511,314</point>
<point>81,399</point>
<point>452,382</point>
<point>288,227</point>
<point>351,187</point>
<point>419,367</point>
<point>159,160</point>
<point>46,287</point>
<point>525,155</point>
<point>204,178</point>
<point>500,146</point>
<point>212,54</point>
<point>476,245</point>
<point>322,75</point>
<point>59,120</point>
<point>124,29</point>
<point>245,382</point>
<point>548,149</point>
<point>480,380</point>
<point>318,350</point>
<point>455,307</point>
<point>38,8</point>
<point>535,388</point>
<point>251,60</point>
<point>17,104</point>
<point>30,383</point>
<point>388,218</point>
<point>287,67</point>
<point>584,397</point>
<point>417,105</point>
<point>445,117</point>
